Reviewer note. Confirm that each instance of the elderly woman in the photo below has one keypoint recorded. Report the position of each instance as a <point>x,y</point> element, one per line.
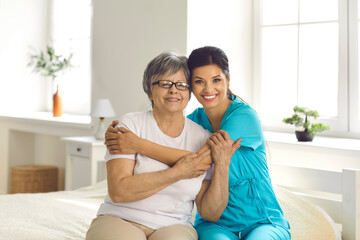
<point>148,199</point>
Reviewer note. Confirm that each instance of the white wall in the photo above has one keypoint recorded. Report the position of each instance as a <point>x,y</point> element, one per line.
<point>226,24</point>
<point>126,36</point>
<point>23,24</point>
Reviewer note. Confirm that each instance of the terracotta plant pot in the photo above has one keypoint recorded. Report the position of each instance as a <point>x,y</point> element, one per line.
<point>304,136</point>
<point>57,103</point>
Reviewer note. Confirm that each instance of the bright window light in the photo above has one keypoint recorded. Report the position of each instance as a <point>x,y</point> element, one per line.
<point>71,33</point>
<point>318,10</point>
<point>279,12</point>
<point>279,70</point>
<point>318,67</point>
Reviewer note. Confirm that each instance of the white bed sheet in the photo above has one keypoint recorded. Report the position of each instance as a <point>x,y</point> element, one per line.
<point>68,214</point>
<point>51,216</point>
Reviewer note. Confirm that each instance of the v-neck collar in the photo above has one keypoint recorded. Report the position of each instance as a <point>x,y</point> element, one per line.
<point>206,120</point>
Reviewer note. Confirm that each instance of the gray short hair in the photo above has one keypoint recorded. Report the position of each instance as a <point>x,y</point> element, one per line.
<point>165,63</point>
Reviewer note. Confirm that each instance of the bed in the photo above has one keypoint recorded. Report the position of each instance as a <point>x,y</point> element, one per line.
<point>334,194</point>
<point>319,204</point>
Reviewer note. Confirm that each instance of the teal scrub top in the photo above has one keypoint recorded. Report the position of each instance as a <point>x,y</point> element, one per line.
<point>251,196</point>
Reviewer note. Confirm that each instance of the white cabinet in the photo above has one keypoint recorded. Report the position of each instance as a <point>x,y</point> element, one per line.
<point>85,163</point>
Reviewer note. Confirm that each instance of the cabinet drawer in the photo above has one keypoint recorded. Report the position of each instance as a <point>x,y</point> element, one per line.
<point>81,150</point>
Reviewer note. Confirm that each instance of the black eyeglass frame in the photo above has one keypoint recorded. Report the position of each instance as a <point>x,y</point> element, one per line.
<point>171,84</point>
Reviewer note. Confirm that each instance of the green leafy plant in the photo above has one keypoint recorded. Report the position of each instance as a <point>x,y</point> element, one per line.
<point>302,118</point>
<point>48,64</point>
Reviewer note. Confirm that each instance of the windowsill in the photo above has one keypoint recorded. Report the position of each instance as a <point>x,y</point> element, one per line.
<point>69,120</point>
<point>319,141</point>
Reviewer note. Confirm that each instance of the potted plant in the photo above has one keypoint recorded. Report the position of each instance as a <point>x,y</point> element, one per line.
<point>49,64</point>
<point>302,118</point>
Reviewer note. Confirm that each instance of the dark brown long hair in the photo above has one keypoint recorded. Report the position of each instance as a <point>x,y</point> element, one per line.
<point>210,55</point>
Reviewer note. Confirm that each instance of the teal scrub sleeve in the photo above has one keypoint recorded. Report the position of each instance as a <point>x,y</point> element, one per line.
<point>244,124</point>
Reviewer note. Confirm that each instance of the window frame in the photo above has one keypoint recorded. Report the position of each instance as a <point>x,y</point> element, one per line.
<point>354,88</point>
<point>347,76</point>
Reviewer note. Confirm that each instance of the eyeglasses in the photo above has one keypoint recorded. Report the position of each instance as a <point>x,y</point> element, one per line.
<point>182,86</point>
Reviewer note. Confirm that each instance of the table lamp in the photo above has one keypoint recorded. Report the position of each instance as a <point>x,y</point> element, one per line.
<point>101,108</point>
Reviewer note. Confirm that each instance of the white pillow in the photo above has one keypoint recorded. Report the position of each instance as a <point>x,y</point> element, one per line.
<point>307,221</point>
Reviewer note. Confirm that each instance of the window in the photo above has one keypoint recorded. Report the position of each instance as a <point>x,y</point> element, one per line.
<point>306,54</point>
<point>71,33</point>
<point>354,65</point>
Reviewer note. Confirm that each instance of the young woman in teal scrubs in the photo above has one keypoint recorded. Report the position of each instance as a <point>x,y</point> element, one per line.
<point>252,211</point>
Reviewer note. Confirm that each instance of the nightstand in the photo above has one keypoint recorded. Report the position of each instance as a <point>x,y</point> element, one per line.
<point>85,164</point>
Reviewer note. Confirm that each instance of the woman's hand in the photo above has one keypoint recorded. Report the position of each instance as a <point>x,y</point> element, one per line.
<point>222,147</point>
<point>125,142</point>
<point>190,165</point>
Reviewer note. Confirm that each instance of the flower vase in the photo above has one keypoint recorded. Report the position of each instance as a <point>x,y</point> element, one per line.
<point>57,103</point>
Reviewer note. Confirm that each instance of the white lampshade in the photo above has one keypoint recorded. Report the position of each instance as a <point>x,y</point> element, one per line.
<point>102,108</point>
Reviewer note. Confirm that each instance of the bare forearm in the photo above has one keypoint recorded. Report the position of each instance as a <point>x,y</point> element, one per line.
<point>167,155</point>
<point>141,186</point>
<point>216,197</point>
<point>161,153</point>
<point>213,200</point>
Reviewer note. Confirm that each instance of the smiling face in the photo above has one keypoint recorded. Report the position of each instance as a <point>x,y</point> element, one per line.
<point>170,100</point>
<point>210,85</point>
